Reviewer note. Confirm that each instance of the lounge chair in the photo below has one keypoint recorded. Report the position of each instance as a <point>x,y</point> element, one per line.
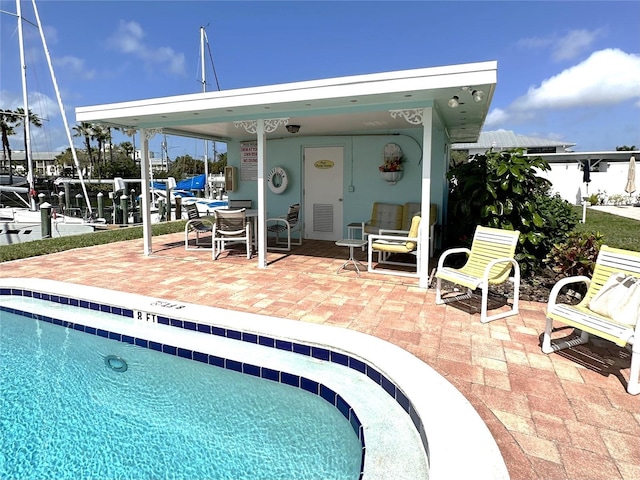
<point>383,216</point>
<point>623,330</point>
<point>287,223</point>
<point>197,224</point>
<point>489,262</point>
<point>231,227</point>
<point>390,242</point>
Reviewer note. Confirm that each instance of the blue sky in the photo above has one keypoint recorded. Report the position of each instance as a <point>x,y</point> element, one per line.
<point>567,70</point>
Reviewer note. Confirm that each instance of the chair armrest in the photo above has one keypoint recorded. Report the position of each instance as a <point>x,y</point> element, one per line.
<point>494,262</point>
<point>279,220</point>
<point>374,236</point>
<point>451,251</point>
<point>384,231</point>
<point>553,295</point>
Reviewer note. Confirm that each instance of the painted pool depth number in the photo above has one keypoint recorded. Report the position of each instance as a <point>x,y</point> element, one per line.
<point>149,317</point>
<point>145,316</point>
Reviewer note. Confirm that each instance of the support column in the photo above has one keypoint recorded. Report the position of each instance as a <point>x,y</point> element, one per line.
<point>147,233</point>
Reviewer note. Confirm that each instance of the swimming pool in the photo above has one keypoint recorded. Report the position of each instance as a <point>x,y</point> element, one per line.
<point>411,417</point>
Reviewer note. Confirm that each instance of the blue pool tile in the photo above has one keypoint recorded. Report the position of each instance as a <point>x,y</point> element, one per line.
<point>284,345</point>
<point>115,336</point>
<point>251,369</point>
<point>155,346</point>
<point>218,331</point>
<point>309,385</point>
<point>116,310</point>
<point>328,394</point>
<point>5,291</point>
<point>355,422</point>
<point>141,342</point>
<point>357,365</point>
<point>94,306</point>
<point>417,422</point>
<point>176,323</point>
<point>170,349</point>
<point>217,361</point>
<point>126,312</point>
<point>388,386</point>
<point>189,325</point>
<point>91,330</point>
<point>74,301</point>
<point>342,406</point>
<point>249,337</point>
<point>127,339</point>
<point>54,298</point>
<point>77,326</point>
<point>234,334</point>
<point>320,353</point>
<point>302,349</point>
<point>266,341</point>
<point>105,308</point>
<point>163,320</point>
<point>403,400</point>
<point>185,353</point>
<point>103,333</point>
<point>234,365</point>
<point>201,357</point>
<point>290,379</point>
<point>373,374</point>
<point>270,374</point>
<point>202,328</point>
<point>83,304</point>
<point>340,358</point>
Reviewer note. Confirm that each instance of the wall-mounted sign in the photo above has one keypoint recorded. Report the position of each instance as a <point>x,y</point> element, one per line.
<point>248,161</point>
<point>324,164</point>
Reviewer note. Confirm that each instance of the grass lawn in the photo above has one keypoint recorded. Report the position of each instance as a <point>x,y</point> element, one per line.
<point>618,232</point>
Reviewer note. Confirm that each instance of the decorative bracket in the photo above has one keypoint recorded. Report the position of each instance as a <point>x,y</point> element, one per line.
<point>270,124</point>
<point>149,133</point>
<point>413,116</point>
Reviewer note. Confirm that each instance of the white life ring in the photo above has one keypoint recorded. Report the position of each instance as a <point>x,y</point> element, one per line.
<point>277,180</point>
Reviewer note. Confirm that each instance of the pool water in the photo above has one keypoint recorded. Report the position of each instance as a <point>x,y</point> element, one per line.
<point>64,413</point>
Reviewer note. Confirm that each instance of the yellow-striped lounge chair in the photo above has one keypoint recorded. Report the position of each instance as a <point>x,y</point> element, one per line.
<point>625,331</point>
<point>489,262</point>
<point>390,243</point>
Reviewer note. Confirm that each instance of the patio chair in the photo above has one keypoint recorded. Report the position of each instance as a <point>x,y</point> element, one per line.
<point>618,322</point>
<point>489,262</point>
<point>383,215</point>
<point>390,242</point>
<point>197,224</point>
<point>288,223</point>
<point>231,227</point>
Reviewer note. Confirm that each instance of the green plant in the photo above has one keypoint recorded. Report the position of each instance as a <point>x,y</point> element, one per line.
<point>593,199</point>
<point>503,190</point>
<point>576,255</point>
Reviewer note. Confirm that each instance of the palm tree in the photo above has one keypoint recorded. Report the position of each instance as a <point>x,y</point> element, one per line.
<point>33,120</point>
<point>8,121</point>
<point>85,129</point>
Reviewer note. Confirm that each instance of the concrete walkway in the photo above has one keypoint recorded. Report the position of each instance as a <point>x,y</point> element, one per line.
<point>555,417</point>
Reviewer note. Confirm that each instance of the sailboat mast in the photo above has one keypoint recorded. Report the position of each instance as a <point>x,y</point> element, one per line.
<point>61,106</point>
<point>25,101</point>
<point>204,89</point>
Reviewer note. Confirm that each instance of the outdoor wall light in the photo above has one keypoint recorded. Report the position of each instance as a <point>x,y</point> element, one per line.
<point>293,128</point>
<point>477,95</point>
<point>454,102</point>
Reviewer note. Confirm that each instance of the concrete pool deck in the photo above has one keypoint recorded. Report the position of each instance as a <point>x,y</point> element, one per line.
<point>560,416</point>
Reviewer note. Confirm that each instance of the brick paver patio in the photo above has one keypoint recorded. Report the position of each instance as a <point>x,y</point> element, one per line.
<point>560,416</point>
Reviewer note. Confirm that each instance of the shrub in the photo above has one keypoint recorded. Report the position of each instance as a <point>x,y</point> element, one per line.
<point>576,255</point>
<point>503,190</point>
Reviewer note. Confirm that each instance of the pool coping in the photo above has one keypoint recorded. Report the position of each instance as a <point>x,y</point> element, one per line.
<point>457,442</point>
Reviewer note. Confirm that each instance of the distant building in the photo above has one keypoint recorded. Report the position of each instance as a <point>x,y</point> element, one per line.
<point>506,139</point>
<point>608,170</point>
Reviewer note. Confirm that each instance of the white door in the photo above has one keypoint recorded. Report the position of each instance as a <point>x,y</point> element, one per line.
<point>323,180</point>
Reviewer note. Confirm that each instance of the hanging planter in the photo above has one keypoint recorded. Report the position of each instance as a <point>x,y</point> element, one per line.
<point>391,168</point>
<point>391,177</point>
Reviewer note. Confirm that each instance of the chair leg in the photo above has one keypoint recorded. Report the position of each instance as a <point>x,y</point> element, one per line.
<point>633,387</point>
<point>570,340</point>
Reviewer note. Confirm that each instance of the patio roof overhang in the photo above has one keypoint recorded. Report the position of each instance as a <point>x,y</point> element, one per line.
<point>357,104</point>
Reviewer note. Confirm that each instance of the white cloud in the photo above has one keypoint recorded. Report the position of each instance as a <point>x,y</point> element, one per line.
<point>573,44</point>
<point>129,39</point>
<point>563,48</point>
<point>76,66</point>
<point>607,77</point>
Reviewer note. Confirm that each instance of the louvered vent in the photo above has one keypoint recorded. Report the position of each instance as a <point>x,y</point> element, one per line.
<point>322,217</point>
